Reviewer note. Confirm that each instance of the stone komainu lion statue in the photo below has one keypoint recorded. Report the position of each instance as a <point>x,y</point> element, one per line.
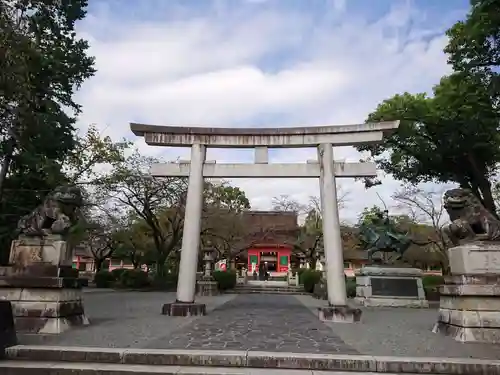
<point>58,213</point>
<point>469,219</point>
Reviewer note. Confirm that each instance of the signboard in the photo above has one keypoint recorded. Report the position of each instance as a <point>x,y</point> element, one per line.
<point>221,265</point>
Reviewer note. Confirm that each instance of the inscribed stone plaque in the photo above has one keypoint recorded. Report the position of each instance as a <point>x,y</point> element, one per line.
<point>394,287</point>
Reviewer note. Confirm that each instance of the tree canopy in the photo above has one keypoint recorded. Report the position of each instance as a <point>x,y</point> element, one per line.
<point>42,63</point>
<point>453,134</point>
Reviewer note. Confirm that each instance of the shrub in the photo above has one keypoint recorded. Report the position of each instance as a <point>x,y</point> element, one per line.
<point>118,272</point>
<point>350,286</point>
<point>431,285</point>
<point>134,279</point>
<point>104,279</point>
<point>310,278</point>
<point>432,281</point>
<point>225,279</point>
<point>167,280</point>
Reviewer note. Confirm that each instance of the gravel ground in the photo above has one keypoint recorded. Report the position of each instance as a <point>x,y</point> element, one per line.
<point>123,320</point>
<point>401,332</point>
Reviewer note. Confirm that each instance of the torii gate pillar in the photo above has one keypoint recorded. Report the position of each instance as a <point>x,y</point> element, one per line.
<point>324,138</point>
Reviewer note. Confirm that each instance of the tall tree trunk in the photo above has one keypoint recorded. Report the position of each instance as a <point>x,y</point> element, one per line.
<point>483,185</point>
<point>160,265</point>
<point>98,264</point>
<point>5,166</point>
<point>489,202</point>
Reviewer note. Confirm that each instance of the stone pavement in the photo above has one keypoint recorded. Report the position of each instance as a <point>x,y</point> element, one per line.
<point>259,322</point>
<point>274,323</point>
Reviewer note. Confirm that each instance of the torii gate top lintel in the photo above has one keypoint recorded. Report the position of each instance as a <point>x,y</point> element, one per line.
<point>340,135</point>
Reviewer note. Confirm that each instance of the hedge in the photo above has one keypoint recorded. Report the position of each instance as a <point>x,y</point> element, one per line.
<point>104,279</point>
<point>309,278</point>
<point>134,279</point>
<point>350,286</point>
<point>225,279</point>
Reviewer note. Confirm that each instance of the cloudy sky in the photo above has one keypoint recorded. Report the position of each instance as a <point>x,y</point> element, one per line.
<point>261,63</point>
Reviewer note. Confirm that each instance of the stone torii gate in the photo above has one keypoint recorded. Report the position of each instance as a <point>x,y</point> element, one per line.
<point>324,168</point>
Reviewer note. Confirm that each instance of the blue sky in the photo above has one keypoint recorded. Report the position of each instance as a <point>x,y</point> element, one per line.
<point>258,63</point>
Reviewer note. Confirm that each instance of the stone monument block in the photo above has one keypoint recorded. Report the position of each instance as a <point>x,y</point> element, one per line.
<point>390,286</point>
<point>470,298</point>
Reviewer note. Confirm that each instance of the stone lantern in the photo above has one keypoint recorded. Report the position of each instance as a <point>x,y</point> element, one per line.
<point>207,286</point>
<point>208,257</point>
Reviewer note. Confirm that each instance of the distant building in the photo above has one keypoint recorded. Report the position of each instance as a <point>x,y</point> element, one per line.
<point>269,243</point>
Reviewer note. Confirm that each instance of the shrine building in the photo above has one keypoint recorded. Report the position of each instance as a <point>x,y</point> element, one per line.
<point>271,235</point>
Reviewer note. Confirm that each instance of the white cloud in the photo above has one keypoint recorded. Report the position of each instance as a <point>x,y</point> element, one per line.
<point>238,69</point>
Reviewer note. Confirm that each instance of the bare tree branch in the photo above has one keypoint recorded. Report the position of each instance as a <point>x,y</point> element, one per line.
<point>425,207</point>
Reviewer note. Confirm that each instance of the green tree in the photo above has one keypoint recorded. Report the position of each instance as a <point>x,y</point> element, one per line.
<point>474,43</point>
<point>93,156</point>
<point>42,63</point>
<point>370,215</point>
<point>134,245</point>
<point>223,225</point>
<point>226,197</point>
<point>451,137</point>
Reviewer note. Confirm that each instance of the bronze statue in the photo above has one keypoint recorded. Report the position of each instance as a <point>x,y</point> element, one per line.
<point>470,220</point>
<point>383,237</point>
<point>56,216</point>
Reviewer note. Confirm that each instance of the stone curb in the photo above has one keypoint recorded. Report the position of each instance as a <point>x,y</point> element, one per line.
<point>256,359</point>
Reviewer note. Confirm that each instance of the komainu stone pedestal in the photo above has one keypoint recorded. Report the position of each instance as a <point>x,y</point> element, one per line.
<point>27,251</point>
<point>470,299</point>
<point>41,285</point>
<point>390,286</point>
<point>184,309</point>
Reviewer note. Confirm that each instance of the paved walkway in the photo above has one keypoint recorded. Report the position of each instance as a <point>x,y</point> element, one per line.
<point>275,323</point>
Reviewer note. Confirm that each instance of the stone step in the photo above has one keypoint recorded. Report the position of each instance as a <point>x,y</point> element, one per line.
<point>265,291</point>
<point>268,287</point>
<point>83,368</point>
<point>41,357</point>
<point>272,289</point>
<point>61,368</point>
